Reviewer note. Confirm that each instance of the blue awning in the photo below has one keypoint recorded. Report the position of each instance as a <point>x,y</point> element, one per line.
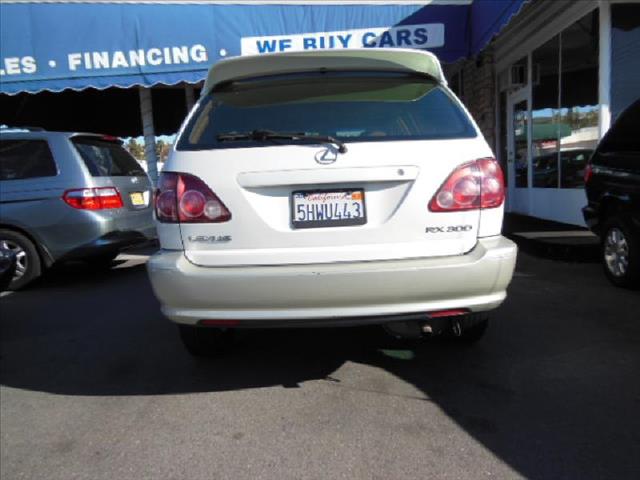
<point>58,46</point>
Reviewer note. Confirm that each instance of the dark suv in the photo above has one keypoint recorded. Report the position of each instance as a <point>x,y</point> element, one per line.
<point>67,196</point>
<point>612,180</point>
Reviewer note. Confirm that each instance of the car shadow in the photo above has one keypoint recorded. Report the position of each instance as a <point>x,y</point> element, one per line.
<point>547,399</point>
<point>73,273</point>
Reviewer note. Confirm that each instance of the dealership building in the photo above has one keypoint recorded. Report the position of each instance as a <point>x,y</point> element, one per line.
<point>544,79</point>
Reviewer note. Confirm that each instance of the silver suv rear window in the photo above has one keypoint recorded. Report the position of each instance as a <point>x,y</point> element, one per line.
<point>349,107</point>
<point>106,158</point>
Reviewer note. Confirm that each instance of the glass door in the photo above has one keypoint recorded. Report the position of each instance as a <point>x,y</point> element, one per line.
<point>518,157</point>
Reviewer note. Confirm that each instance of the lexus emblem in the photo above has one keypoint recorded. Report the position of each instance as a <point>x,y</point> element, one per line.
<point>326,156</point>
<point>134,179</point>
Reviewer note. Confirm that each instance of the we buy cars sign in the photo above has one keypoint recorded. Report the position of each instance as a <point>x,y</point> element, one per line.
<point>427,35</point>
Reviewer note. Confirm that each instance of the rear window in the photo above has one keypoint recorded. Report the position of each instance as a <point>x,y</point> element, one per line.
<point>22,159</point>
<point>351,108</point>
<point>105,158</point>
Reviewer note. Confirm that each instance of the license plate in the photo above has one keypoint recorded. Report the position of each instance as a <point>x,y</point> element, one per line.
<point>137,199</point>
<point>324,208</point>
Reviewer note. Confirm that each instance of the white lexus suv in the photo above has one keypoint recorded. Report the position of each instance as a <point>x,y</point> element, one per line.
<point>330,188</point>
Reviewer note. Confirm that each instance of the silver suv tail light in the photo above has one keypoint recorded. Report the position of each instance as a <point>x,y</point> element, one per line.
<point>471,186</point>
<point>102,198</point>
<point>185,198</point>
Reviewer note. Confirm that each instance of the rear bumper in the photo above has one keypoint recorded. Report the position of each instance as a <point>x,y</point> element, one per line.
<point>111,242</point>
<point>345,293</point>
<point>595,219</point>
<point>89,233</point>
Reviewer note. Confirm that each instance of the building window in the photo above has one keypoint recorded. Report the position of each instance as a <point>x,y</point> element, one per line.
<point>516,78</point>
<point>502,135</point>
<point>625,56</point>
<point>545,112</point>
<point>521,142</point>
<point>565,106</point>
<point>579,103</point>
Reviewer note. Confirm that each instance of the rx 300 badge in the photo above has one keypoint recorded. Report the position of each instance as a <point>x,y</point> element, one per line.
<point>449,229</point>
<point>209,238</point>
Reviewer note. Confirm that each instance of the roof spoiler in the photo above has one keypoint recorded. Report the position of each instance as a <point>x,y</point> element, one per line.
<point>367,59</point>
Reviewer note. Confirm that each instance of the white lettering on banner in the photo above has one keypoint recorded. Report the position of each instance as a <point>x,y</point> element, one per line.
<point>12,65</point>
<point>75,60</point>
<point>154,56</point>
<point>100,59</point>
<point>18,66</point>
<point>135,58</point>
<point>198,53</point>
<point>28,65</point>
<point>105,60</point>
<point>427,35</point>
<point>119,61</point>
<point>180,54</point>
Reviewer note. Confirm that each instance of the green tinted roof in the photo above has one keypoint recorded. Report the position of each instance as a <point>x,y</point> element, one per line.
<point>380,59</point>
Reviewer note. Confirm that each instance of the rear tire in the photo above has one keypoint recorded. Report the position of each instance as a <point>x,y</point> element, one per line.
<point>204,341</point>
<point>468,329</point>
<point>620,254</point>
<point>28,265</point>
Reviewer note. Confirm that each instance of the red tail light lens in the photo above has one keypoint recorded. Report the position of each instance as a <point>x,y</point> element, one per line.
<point>474,185</point>
<point>166,202</point>
<point>448,313</point>
<point>184,198</point>
<point>93,198</point>
<point>588,173</point>
<point>492,189</point>
<point>109,197</point>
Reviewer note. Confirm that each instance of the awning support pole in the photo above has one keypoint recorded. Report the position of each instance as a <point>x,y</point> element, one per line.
<point>146,112</point>
<point>604,85</point>
<point>190,96</point>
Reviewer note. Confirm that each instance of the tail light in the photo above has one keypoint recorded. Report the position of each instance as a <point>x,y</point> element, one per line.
<point>588,173</point>
<point>93,198</point>
<point>477,184</point>
<point>184,198</point>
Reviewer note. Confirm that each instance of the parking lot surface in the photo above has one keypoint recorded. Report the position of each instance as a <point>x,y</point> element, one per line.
<point>95,384</point>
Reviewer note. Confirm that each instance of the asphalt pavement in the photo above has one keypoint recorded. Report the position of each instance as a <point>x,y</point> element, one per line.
<point>94,384</point>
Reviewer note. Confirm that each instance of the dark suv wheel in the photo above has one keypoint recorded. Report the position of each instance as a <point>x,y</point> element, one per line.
<point>28,265</point>
<point>620,253</point>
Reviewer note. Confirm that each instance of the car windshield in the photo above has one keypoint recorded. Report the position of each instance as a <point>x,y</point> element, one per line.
<point>346,107</point>
<point>106,158</point>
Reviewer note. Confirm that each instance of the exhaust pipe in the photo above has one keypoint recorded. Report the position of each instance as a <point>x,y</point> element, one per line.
<point>435,323</point>
<point>456,327</point>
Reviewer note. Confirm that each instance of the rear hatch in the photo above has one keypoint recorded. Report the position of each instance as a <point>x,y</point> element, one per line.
<point>269,150</point>
<point>110,165</point>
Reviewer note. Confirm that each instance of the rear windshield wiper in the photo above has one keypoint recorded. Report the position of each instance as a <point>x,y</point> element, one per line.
<point>264,135</point>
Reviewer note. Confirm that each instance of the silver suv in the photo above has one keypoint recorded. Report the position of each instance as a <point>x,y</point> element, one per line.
<point>330,188</point>
<point>69,196</point>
